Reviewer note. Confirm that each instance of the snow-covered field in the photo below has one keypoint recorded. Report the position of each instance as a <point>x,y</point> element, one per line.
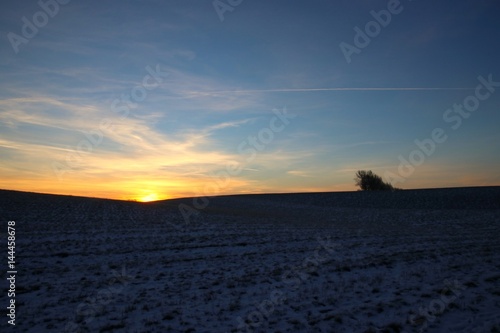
<point>409,261</point>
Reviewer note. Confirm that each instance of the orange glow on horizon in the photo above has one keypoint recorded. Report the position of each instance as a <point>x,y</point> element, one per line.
<point>148,198</point>
<point>157,186</point>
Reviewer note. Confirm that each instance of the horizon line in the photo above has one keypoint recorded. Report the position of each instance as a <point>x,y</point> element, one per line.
<point>235,194</point>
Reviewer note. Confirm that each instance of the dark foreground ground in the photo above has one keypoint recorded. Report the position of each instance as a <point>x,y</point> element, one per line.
<point>406,261</point>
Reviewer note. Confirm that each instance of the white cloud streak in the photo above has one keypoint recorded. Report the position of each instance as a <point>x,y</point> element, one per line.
<point>326,89</point>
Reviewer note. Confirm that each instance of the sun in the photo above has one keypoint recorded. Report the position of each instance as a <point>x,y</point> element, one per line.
<point>148,198</point>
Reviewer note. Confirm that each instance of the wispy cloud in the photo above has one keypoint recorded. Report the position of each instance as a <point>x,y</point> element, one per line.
<point>208,93</point>
<point>299,173</point>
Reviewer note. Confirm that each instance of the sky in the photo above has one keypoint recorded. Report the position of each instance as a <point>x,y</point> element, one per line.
<point>148,100</point>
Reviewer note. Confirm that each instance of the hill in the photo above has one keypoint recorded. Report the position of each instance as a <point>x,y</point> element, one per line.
<point>402,261</point>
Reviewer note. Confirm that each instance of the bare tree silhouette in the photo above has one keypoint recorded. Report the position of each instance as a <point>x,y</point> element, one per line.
<point>368,181</point>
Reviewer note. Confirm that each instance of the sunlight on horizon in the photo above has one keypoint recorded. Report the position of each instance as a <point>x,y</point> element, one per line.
<point>149,198</point>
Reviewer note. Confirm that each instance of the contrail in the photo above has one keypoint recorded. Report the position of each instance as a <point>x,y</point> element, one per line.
<point>324,89</point>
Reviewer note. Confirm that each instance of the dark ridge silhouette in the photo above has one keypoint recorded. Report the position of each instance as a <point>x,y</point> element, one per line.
<point>16,203</point>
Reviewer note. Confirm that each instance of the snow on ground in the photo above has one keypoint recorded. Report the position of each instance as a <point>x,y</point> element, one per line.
<point>410,261</point>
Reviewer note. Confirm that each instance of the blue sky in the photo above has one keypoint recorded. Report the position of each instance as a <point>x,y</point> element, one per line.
<point>218,82</point>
